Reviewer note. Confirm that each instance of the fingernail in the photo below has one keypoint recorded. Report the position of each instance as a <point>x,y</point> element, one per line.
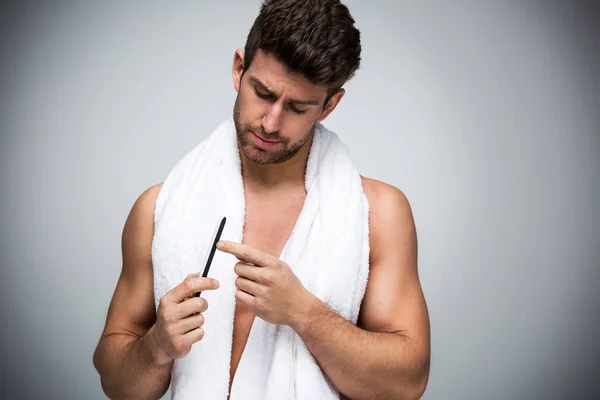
<point>216,283</point>
<point>220,245</point>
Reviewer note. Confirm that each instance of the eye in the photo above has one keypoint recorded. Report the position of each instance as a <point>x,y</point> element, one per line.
<point>262,95</point>
<point>296,110</point>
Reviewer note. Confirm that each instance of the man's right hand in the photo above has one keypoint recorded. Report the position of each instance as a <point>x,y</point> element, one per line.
<point>179,319</point>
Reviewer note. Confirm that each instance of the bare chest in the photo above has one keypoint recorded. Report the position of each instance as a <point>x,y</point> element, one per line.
<point>268,224</point>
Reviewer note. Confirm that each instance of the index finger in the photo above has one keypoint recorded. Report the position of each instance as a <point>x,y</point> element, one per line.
<point>189,286</point>
<point>247,254</point>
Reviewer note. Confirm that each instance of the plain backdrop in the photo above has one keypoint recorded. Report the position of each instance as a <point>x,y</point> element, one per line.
<point>485,114</point>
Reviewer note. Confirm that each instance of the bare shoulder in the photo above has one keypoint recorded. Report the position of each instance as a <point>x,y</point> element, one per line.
<point>139,228</point>
<point>146,202</point>
<point>384,194</point>
<point>390,214</point>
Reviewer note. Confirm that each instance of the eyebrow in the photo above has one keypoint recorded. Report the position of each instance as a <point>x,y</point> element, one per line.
<point>265,88</point>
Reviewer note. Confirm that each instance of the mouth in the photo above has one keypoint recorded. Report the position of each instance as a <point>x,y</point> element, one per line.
<point>267,141</point>
<point>261,142</point>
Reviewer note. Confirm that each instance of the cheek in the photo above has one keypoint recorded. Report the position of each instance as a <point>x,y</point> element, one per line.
<point>297,128</point>
<point>251,107</point>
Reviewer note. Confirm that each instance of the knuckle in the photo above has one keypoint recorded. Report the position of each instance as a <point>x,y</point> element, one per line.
<point>163,313</point>
<point>188,284</point>
<point>267,279</point>
<point>167,311</point>
<point>245,251</point>
<point>164,316</point>
<point>162,302</point>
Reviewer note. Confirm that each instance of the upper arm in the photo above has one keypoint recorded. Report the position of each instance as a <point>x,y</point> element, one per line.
<point>394,300</point>
<point>131,309</point>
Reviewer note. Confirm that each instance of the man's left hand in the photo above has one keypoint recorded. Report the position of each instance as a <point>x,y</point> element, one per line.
<point>267,286</point>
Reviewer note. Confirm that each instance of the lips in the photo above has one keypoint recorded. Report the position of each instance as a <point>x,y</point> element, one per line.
<point>264,140</point>
<point>263,143</point>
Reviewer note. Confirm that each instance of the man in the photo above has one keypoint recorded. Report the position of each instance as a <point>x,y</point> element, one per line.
<point>298,55</point>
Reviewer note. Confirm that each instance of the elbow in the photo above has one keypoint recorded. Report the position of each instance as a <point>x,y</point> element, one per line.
<point>109,391</point>
<point>96,360</point>
<point>414,389</point>
<point>99,364</point>
<point>113,390</point>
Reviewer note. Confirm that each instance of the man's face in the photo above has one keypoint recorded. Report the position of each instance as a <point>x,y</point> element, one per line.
<point>276,106</point>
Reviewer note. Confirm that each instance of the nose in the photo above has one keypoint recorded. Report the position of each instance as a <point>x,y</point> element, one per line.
<point>271,121</point>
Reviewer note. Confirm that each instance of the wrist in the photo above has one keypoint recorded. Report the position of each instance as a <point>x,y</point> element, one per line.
<point>307,314</point>
<point>157,357</point>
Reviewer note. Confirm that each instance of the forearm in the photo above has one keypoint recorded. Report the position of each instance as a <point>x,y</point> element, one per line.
<point>128,369</point>
<point>359,363</point>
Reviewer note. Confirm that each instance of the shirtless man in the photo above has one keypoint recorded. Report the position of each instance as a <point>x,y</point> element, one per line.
<point>387,354</point>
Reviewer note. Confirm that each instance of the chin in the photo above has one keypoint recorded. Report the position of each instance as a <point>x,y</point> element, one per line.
<point>255,155</point>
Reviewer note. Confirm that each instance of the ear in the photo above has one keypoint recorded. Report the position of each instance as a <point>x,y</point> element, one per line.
<point>331,104</point>
<point>237,69</point>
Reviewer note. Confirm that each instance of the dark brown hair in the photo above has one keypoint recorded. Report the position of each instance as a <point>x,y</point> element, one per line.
<point>314,38</point>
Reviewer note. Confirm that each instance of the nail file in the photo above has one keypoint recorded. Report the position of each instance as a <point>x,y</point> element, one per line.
<point>211,253</point>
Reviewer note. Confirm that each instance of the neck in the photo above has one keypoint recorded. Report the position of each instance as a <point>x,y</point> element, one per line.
<point>287,174</point>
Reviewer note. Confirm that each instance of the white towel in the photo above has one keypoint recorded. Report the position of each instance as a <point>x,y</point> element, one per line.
<point>328,250</point>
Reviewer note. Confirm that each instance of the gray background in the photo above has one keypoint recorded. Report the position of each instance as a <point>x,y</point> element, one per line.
<point>486,114</point>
